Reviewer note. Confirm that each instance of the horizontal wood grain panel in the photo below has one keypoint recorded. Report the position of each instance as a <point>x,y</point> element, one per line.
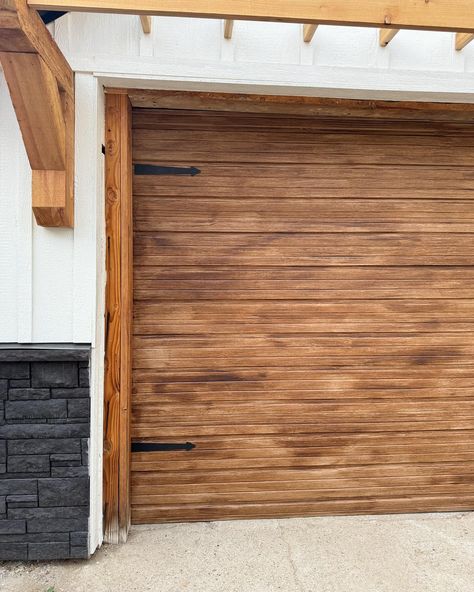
<point>283,215</point>
<point>280,444</point>
<point>304,314</point>
<point>309,137</point>
<point>229,429</point>
<point>342,352</point>
<point>426,471</point>
<point>304,317</point>
<point>301,495</point>
<point>149,150</point>
<point>310,182</point>
<point>290,455</point>
<point>300,249</point>
<point>191,121</point>
<point>195,283</point>
<point>374,505</point>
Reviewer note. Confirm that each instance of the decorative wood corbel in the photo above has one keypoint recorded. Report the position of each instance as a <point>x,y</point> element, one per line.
<point>41,85</point>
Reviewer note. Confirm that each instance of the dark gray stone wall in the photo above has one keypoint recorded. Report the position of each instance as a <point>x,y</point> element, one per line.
<point>44,438</point>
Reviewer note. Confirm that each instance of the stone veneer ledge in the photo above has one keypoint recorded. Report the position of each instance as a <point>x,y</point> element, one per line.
<point>44,439</point>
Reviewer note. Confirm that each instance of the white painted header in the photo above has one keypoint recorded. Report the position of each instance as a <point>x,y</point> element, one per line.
<point>48,277</point>
<point>268,58</point>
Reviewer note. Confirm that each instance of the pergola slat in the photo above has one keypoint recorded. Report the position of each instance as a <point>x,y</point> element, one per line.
<point>455,15</point>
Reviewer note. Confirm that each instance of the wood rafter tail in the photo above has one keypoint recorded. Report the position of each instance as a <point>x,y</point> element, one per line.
<point>463,39</point>
<point>146,23</point>
<point>386,35</point>
<point>228,28</point>
<point>308,32</point>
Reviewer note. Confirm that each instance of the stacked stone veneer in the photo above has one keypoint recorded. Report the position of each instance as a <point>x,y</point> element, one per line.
<point>44,431</point>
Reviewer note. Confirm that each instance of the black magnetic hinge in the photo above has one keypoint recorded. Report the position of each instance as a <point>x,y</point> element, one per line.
<point>160,446</point>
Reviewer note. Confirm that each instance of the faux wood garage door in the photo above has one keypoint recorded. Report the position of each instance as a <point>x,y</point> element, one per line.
<point>304,315</point>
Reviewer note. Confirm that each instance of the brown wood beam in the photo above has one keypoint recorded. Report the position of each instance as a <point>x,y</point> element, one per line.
<point>41,86</point>
<point>442,15</point>
<point>118,301</point>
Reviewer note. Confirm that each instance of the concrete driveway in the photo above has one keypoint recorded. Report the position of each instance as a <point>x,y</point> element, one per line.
<point>413,553</point>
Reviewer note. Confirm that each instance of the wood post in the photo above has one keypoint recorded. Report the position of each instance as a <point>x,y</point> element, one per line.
<point>118,216</point>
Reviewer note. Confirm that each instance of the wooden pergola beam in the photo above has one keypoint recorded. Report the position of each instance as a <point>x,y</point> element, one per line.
<point>308,32</point>
<point>386,35</point>
<point>462,39</point>
<point>455,15</point>
<point>41,86</point>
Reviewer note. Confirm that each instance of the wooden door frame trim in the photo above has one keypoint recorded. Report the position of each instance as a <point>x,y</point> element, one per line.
<point>296,105</point>
<point>118,316</point>
<point>119,249</point>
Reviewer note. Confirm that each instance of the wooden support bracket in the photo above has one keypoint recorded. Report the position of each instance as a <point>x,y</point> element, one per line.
<point>41,86</point>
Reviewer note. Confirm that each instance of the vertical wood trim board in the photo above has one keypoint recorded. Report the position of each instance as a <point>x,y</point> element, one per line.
<point>117,387</point>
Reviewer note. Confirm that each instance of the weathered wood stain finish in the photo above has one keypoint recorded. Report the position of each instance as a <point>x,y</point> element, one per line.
<point>304,314</point>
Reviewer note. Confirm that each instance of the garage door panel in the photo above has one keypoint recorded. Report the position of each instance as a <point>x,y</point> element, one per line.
<point>303,314</point>
<point>152,150</point>
<point>204,215</point>
<point>299,495</point>
<point>281,444</point>
<point>310,182</point>
<point>311,283</point>
<point>374,505</point>
<point>219,120</point>
<point>185,347</point>
<point>256,479</point>
<point>144,431</point>
<point>280,351</point>
<point>279,138</point>
<point>144,394</point>
<point>319,480</point>
<point>258,318</point>
<point>300,412</point>
<point>303,249</point>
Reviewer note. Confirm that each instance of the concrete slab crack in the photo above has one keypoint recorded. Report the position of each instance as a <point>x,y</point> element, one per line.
<point>298,583</point>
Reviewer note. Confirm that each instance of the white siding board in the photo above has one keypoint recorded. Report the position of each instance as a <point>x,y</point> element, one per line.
<point>52,284</point>
<point>13,287</point>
